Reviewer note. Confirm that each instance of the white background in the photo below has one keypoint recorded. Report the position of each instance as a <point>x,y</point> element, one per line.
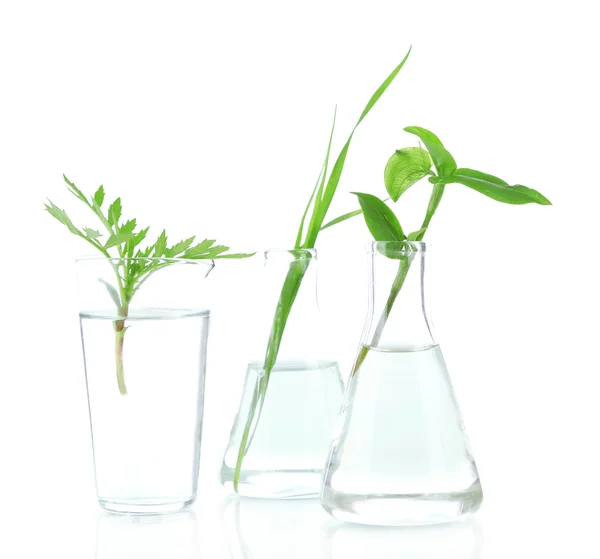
<point>211,118</point>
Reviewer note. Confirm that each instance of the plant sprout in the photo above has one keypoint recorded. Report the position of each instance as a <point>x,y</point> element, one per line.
<point>132,264</point>
<point>406,167</point>
<point>314,213</point>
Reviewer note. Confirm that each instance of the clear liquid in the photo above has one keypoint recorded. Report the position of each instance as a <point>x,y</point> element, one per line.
<point>400,455</point>
<point>291,439</point>
<point>147,442</point>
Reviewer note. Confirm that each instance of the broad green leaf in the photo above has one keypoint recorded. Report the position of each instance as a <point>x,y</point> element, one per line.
<point>160,246</point>
<point>381,221</point>
<point>99,196</point>
<point>118,239</point>
<point>338,167</point>
<point>91,233</point>
<point>417,235</point>
<point>496,188</point>
<point>443,161</point>
<point>405,168</point>
<point>180,247</point>
<point>114,212</point>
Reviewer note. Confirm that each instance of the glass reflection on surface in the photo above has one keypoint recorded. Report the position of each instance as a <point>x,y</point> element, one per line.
<point>147,536</point>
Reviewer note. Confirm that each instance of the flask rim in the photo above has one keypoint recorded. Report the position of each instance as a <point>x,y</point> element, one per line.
<point>397,248</point>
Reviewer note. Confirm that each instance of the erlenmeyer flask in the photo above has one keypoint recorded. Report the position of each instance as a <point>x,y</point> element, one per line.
<point>400,455</point>
<point>280,437</point>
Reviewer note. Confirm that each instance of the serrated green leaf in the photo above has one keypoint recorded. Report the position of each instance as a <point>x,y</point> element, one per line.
<point>443,161</point>
<point>118,239</point>
<point>114,212</point>
<point>99,196</point>
<point>62,216</point>
<point>496,188</point>
<point>128,226</point>
<point>92,233</point>
<point>200,248</point>
<point>180,247</point>
<point>381,220</point>
<point>160,246</point>
<point>404,168</point>
<point>200,252</point>
<point>75,191</point>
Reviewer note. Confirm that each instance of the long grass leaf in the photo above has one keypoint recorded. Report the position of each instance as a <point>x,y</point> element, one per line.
<point>298,243</point>
<point>344,217</point>
<point>338,167</point>
<point>318,199</point>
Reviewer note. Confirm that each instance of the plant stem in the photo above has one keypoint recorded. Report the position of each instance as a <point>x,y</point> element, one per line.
<point>120,330</point>
<point>399,280</point>
<point>288,294</point>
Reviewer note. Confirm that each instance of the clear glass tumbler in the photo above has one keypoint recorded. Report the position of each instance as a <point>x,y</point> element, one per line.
<point>145,367</point>
<point>400,455</point>
<point>292,394</point>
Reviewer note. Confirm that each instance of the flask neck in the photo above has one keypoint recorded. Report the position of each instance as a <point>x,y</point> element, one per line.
<point>398,318</point>
<point>290,304</point>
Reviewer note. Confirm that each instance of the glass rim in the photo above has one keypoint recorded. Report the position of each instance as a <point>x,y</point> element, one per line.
<point>414,246</point>
<point>171,260</point>
<point>295,253</point>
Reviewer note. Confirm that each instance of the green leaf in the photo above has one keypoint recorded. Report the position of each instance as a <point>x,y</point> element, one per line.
<point>128,226</point>
<point>322,206</point>
<point>199,249</point>
<point>114,294</point>
<point>380,91</point>
<point>417,235</point>
<point>443,161</point>
<point>496,188</point>
<point>117,239</point>
<point>381,221</point>
<point>91,233</point>
<point>114,212</point>
<point>405,168</point>
<point>341,218</point>
<point>344,217</point>
<point>312,226</point>
<point>75,191</point>
<point>136,240</point>
<point>99,196</point>
<point>160,247</point>
<point>62,216</point>
<point>180,247</point>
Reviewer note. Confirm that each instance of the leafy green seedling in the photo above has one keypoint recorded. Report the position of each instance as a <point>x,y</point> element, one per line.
<point>132,265</point>
<point>406,167</point>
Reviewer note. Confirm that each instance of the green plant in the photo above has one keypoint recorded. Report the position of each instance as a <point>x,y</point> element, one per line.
<point>315,213</point>
<point>132,264</point>
<point>406,167</point>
